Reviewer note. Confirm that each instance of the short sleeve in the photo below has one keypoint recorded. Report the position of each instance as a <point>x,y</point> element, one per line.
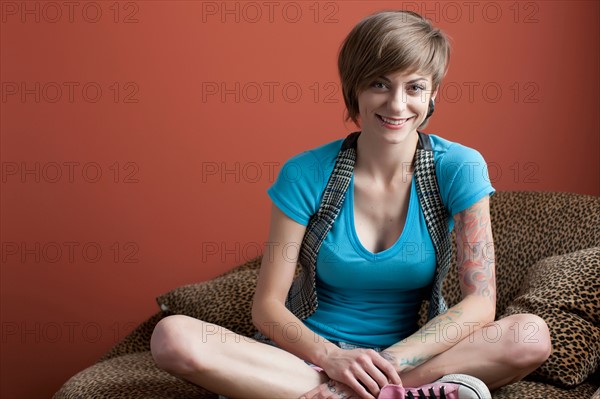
<point>462,177</point>
<point>299,186</point>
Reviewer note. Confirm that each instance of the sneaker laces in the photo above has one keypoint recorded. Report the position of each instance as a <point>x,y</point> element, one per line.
<point>431,395</point>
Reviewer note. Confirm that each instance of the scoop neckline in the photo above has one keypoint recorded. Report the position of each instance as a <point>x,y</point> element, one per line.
<point>396,246</point>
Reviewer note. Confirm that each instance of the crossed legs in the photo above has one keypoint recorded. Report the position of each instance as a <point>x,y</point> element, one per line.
<point>235,366</point>
<point>227,363</point>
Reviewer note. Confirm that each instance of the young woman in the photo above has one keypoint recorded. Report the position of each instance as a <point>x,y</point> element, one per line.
<point>377,262</point>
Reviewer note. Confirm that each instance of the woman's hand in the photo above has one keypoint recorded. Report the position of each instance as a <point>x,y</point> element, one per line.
<point>364,371</point>
<point>331,390</point>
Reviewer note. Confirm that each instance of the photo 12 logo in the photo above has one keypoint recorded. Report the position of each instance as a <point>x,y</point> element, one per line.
<point>69,92</point>
<point>253,12</point>
<point>270,92</point>
<point>491,12</point>
<point>69,172</point>
<point>72,252</point>
<point>54,12</point>
<point>71,332</point>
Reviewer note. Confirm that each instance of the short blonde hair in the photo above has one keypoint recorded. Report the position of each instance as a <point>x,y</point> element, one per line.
<point>386,42</point>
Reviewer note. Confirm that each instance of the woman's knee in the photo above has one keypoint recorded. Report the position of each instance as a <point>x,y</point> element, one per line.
<point>173,345</point>
<point>527,341</point>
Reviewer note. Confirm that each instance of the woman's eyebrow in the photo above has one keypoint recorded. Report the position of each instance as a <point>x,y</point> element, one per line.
<point>410,81</point>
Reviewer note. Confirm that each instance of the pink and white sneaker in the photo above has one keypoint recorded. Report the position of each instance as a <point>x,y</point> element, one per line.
<point>451,386</point>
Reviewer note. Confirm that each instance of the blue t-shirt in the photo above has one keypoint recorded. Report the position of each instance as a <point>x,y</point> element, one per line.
<point>365,298</point>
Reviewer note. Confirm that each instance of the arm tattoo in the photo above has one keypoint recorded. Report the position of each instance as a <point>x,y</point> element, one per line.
<point>415,361</point>
<point>405,362</point>
<point>475,250</point>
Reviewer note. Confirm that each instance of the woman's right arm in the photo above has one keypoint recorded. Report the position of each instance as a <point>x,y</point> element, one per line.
<point>269,313</point>
<point>358,368</point>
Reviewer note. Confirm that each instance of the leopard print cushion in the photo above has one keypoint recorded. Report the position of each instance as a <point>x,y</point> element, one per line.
<point>565,291</point>
<point>529,226</point>
<point>225,300</point>
<point>132,376</point>
<point>539,390</point>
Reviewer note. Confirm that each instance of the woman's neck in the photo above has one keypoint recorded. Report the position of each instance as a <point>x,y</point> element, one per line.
<point>384,162</point>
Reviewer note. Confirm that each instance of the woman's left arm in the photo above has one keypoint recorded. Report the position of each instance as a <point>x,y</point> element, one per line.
<point>476,272</point>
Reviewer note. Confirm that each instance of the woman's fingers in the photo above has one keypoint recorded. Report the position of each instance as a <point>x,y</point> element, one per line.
<point>374,371</point>
<point>358,388</point>
<point>363,370</point>
<point>388,369</point>
<point>367,380</point>
<point>382,371</point>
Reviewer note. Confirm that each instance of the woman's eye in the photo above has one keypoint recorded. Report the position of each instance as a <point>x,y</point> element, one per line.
<point>416,88</point>
<point>378,85</point>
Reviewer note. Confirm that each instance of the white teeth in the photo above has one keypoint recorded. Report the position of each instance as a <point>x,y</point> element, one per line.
<point>392,121</point>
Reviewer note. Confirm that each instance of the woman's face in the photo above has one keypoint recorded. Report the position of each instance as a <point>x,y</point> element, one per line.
<point>395,105</point>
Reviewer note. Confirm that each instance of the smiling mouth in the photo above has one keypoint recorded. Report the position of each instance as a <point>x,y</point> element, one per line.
<point>392,121</point>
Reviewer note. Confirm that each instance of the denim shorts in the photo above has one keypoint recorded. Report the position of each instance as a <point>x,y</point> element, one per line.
<point>343,345</point>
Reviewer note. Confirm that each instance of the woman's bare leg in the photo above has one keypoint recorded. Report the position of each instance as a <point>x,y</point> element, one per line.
<point>500,354</point>
<point>227,363</point>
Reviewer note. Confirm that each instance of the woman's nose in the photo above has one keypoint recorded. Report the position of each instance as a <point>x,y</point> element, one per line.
<point>397,102</point>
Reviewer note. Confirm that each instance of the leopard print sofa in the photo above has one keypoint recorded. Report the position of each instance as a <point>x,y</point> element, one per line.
<point>528,227</point>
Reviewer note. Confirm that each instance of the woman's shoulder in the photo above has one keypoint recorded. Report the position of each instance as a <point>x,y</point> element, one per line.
<point>447,151</point>
<point>300,183</point>
<point>462,174</point>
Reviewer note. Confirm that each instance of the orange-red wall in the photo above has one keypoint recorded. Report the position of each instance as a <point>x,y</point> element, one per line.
<point>138,140</point>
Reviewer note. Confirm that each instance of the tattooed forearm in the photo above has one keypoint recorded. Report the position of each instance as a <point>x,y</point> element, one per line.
<point>405,363</point>
<point>434,327</point>
<point>439,334</point>
<point>430,333</point>
<point>475,245</point>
